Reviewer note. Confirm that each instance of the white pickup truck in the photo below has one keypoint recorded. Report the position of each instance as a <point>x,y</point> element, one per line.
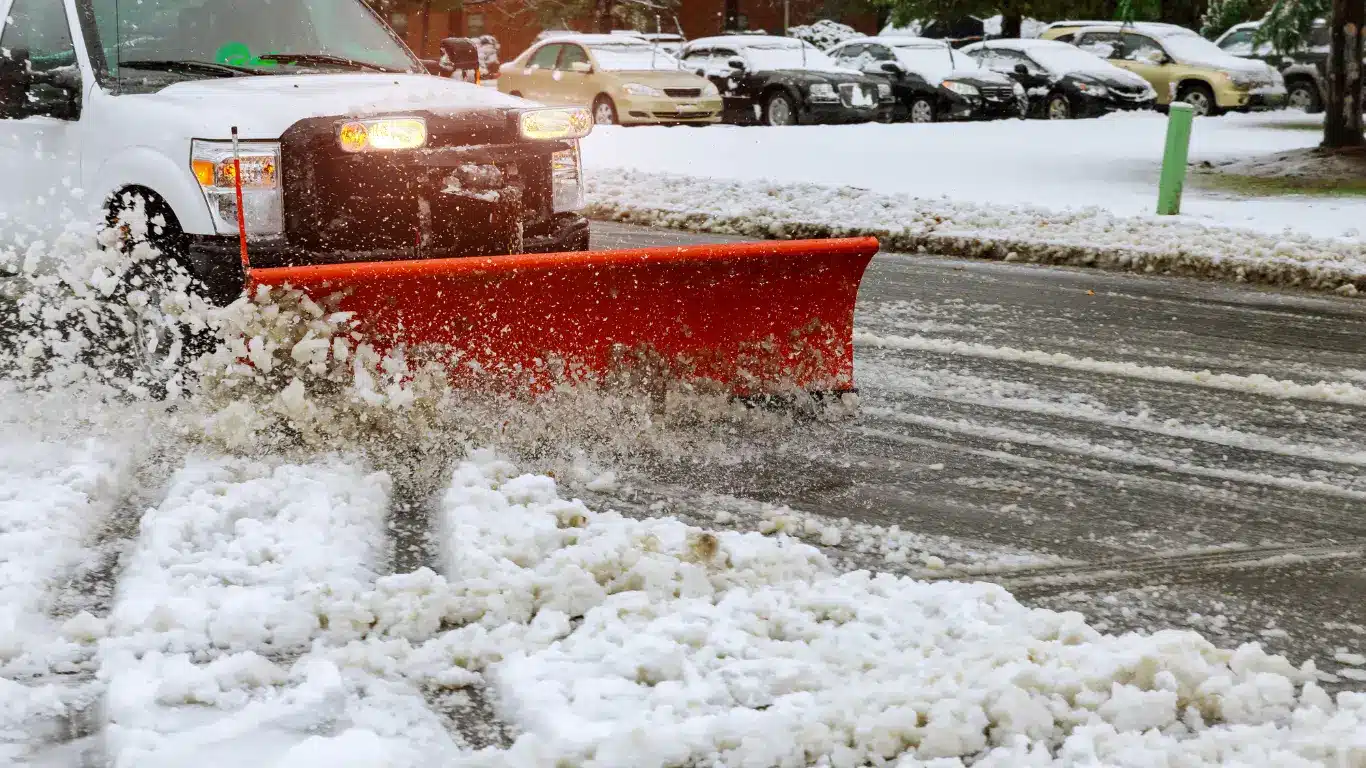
<point>350,148</point>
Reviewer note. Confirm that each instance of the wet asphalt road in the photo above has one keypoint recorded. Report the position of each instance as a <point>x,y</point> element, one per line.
<point>1118,482</point>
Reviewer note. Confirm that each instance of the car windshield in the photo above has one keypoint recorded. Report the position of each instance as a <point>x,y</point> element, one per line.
<point>933,63</point>
<point>788,56</point>
<point>627,57</point>
<point>322,34</point>
<point>1066,58</point>
<point>1192,49</point>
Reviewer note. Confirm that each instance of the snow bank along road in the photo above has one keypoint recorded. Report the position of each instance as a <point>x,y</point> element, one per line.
<point>1052,431</point>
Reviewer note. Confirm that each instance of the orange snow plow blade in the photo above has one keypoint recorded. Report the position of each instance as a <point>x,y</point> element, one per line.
<point>753,318</point>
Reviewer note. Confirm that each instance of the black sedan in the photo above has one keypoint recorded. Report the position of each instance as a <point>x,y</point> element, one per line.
<point>1064,81</point>
<point>784,81</point>
<point>931,81</point>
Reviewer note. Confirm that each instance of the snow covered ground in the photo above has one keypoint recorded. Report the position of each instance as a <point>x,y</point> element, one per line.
<point>1110,163</point>
<point>254,622</point>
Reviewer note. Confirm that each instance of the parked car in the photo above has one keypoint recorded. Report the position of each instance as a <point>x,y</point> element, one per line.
<point>623,79</point>
<point>785,81</point>
<point>931,81</point>
<point>1063,81</point>
<point>1184,66</point>
<point>1305,71</point>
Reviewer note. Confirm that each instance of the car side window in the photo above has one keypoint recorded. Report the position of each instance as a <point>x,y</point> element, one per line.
<point>881,53</point>
<point>544,58</point>
<point>1237,41</point>
<point>570,55</point>
<point>1142,48</point>
<point>1107,45</point>
<point>996,59</point>
<point>850,53</point>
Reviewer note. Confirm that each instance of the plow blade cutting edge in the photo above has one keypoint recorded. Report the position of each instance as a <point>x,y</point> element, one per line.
<point>750,318</point>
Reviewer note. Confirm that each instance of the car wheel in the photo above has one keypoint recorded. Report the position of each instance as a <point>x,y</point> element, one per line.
<point>779,109</point>
<point>1201,99</point>
<point>1304,95</point>
<point>922,111</point>
<point>1059,108</point>
<point>604,111</point>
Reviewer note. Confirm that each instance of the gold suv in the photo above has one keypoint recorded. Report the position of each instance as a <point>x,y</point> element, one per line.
<point>622,79</point>
<point>1180,64</point>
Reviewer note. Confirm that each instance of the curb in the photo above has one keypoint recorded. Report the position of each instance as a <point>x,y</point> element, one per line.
<point>1277,274</point>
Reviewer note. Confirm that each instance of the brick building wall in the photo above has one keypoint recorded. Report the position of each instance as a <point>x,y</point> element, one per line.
<point>713,17</point>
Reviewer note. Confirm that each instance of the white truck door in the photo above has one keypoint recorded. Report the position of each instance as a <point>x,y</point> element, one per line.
<point>40,102</point>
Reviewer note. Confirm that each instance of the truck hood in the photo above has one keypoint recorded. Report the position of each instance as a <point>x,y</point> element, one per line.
<point>263,107</point>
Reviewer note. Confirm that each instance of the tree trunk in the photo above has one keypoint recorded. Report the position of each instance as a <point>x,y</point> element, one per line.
<point>426,28</point>
<point>1342,118</point>
<point>1010,24</point>
<point>602,15</point>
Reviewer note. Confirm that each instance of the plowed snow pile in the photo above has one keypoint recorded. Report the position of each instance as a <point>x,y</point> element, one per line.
<point>256,616</point>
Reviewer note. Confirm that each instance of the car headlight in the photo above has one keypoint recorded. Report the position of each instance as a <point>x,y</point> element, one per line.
<point>640,89</point>
<point>555,123</point>
<point>566,176</point>
<point>382,134</point>
<point>884,91</point>
<point>962,89</point>
<point>821,92</point>
<point>710,89</point>
<point>1095,89</point>
<point>1240,79</point>
<point>262,195</point>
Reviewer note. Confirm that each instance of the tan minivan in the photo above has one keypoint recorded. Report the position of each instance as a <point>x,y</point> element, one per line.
<point>1179,64</point>
<point>622,79</point>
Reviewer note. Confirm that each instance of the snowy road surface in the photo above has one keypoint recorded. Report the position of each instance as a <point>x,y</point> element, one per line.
<point>1154,454</point>
<point>1165,437</point>
<point>1111,163</point>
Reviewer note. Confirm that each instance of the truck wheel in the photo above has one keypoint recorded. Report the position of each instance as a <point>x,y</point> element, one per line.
<point>922,111</point>
<point>1304,95</point>
<point>779,109</point>
<point>1201,98</point>
<point>604,111</point>
<point>153,342</point>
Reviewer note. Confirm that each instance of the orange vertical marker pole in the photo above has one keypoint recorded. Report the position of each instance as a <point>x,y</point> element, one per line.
<point>241,210</point>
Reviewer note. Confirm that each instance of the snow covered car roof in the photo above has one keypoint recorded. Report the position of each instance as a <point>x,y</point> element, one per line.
<point>898,41</point>
<point>1153,28</point>
<point>746,41</point>
<point>1020,44</point>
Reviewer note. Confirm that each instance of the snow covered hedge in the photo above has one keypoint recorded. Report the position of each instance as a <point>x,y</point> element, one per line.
<point>824,33</point>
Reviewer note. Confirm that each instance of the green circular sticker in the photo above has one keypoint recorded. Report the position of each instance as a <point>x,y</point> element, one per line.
<point>238,54</point>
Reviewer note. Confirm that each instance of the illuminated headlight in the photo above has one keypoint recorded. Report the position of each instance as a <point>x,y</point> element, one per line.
<point>566,175</point>
<point>962,89</point>
<point>710,89</point>
<point>884,91</point>
<point>262,196</point>
<point>822,92</point>
<point>555,123</point>
<point>639,89</point>
<point>382,134</point>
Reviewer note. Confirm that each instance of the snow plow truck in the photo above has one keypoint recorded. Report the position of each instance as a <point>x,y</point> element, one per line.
<point>301,143</point>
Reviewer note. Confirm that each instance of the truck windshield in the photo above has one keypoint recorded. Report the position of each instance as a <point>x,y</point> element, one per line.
<point>176,37</point>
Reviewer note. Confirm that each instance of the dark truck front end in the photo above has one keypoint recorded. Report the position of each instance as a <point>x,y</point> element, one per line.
<point>477,187</point>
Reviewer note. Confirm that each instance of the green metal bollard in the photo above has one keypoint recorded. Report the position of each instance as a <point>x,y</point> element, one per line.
<point>1173,176</point>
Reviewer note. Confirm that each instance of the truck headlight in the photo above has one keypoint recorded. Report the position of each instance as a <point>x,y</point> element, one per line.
<point>382,134</point>
<point>639,89</point>
<point>262,195</point>
<point>555,123</point>
<point>566,178</point>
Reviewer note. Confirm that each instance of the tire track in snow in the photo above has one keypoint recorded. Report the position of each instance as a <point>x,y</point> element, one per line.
<point>1340,393</point>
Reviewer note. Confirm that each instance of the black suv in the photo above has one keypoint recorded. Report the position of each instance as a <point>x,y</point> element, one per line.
<point>931,81</point>
<point>784,81</point>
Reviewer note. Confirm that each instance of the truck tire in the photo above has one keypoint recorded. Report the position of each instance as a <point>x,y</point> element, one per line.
<point>1303,94</point>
